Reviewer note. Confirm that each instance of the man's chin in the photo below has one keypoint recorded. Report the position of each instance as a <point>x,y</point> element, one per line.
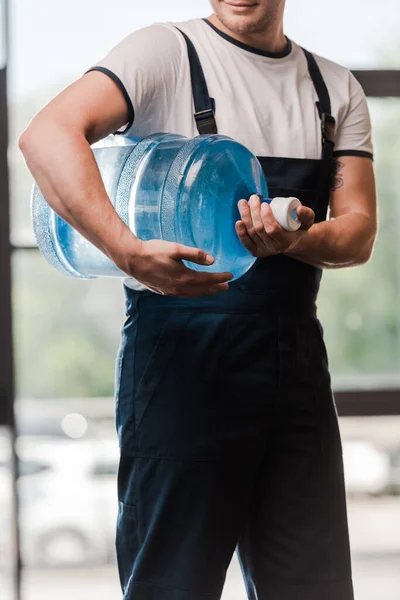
<point>251,21</point>
<point>241,24</point>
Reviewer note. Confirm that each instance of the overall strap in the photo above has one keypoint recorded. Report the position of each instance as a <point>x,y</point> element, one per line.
<point>204,113</point>
<point>328,123</point>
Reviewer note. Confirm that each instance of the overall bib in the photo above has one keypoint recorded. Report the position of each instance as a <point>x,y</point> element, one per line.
<point>227,426</point>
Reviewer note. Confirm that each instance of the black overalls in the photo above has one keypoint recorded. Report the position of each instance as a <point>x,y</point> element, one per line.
<point>228,430</point>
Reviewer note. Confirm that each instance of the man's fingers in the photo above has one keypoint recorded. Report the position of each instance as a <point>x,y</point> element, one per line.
<point>251,217</point>
<point>201,278</point>
<point>263,232</point>
<point>255,211</point>
<point>190,284</point>
<point>306,216</point>
<point>194,255</point>
<point>244,237</point>
<point>246,216</point>
<point>272,228</point>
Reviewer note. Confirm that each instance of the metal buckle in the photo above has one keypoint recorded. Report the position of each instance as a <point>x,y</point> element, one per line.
<point>205,120</point>
<point>206,114</point>
<point>328,127</point>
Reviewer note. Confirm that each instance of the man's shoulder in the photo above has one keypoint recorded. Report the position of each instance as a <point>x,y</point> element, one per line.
<point>154,36</point>
<point>161,37</point>
<point>331,71</point>
<point>161,27</point>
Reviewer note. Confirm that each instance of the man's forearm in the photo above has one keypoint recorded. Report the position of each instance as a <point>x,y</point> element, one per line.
<point>63,165</point>
<point>341,242</point>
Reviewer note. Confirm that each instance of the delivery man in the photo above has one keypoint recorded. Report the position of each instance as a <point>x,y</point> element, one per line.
<point>227,425</point>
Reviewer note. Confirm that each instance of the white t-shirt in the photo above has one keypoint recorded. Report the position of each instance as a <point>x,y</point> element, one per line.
<point>264,101</point>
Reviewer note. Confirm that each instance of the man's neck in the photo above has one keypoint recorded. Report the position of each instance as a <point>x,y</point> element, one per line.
<point>272,40</point>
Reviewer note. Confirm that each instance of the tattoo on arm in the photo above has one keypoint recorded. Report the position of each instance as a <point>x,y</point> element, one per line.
<point>337,175</point>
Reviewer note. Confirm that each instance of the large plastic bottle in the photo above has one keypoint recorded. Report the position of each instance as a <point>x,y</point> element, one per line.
<point>166,187</point>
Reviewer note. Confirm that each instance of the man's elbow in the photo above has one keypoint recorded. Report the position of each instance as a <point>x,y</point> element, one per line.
<point>367,250</point>
<point>23,141</point>
<point>26,144</point>
<point>28,137</point>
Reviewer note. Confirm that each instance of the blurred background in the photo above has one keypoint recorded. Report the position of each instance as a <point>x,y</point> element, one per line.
<point>66,332</point>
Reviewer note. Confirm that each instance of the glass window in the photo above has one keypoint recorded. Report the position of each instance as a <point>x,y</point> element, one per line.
<point>360,34</point>
<point>66,331</point>
<point>37,74</point>
<point>359,307</point>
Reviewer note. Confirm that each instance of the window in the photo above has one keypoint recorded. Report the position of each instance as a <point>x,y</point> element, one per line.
<point>361,34</point>
<point>66,331</point>
<point>359,307</point>
<point>63,348</point>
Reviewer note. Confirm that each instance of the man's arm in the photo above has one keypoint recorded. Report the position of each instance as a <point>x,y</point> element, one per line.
<point>347,238</point>
<point>56,144</point>
<point>56,148</point>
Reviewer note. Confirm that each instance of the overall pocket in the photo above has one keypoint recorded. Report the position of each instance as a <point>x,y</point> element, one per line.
<point>154,350</point>
<point>127,542</point>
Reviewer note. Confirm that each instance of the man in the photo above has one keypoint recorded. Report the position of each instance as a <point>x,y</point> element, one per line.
<point>228,430</point>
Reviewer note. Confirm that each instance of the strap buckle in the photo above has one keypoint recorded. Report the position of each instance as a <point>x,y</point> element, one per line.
<point>204,114</point>
<point>205,120</point>
<point>328,127</point>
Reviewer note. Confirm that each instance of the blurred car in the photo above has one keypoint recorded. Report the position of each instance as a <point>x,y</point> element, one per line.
<point>68,502</point>
<point>68,496</point>
<point>366,468</point>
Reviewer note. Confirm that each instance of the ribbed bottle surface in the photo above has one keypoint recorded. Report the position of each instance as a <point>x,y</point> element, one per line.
<point>167,187</point>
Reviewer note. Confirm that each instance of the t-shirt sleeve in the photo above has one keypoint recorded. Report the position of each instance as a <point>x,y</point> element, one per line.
<point>146,66</point>
<point>353,135</point>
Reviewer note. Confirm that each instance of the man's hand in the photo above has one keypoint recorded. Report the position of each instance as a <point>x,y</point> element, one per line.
<point>158,265</point>
<point>260,233</point>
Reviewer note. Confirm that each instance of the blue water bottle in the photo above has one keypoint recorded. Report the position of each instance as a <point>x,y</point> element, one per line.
<point>167,187</point>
